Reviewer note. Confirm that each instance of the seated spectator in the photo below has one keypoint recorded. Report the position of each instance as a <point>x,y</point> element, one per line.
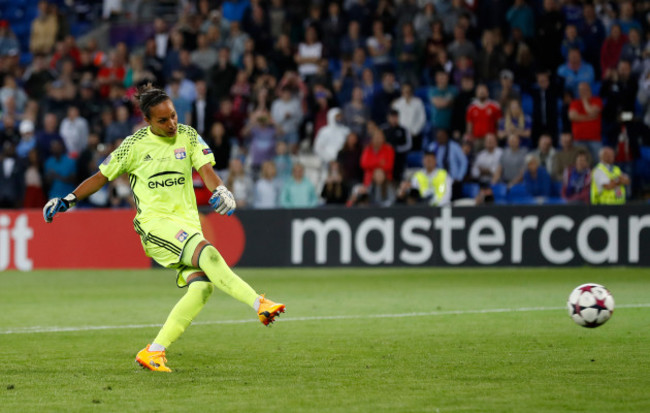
<point>286,113</point>
<point>120,128</point>
<point>282,161</point>
<point>506,90</point>
<point>309,54</point>
<point>585,115</point>
<point>335,191</point>
<point>487,161</point>
<point>381,191</point>
<point>356,113</point>
<point>298,191</point>
<point>536,179</point>
<point>59,171</point>
<point>576,180</point>
<point>442,97</point>
<point>400,139</point>
<point>267,188</point>
<point>330,139</point>
<point>516,122</point>
<point>34,193</point>
<point>349,159</point>
<point>512,163</point>
<point>575,71</point>
<point>9,45</point>
<point>74,131</point>
<point>260,132</point>
<point>482,117</point>
<point>545,153</point>
<point>11,177</point>
<point>608,182</point>
<point>434,184</point>
<point>27,139</point>
<point>449,156</point>
<point>9,131</point>
<point>610,52</point>
<point>377,154</point>
<point>566,156</point>
<point>11,89</point>
<point>239,183</point>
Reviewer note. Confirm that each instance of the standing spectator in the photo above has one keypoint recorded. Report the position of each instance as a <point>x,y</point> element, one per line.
<point>571,41</point>
<point>222,75</point>
<point>411,114</point>
<point>74,131</point>
<point>34,193</point>
<point>442,97</point>
<point>231,120</point>
<point>356,113</point>
<point>309,54</point>
<point>408,52</point>
<point>282,56</point>
<point>349,159</point>
<point>330,139</point>
<point>433,183</point>
<point>89,159</point>
<point>549,31</point>
<point>576,180</point>
<point>545,153</point>
<point>353,40</point>
<point>8,42</point>
<point>482,117</point>
<point>512,163</point>
<point>161,37</point>
<point>379,47</point>
<point>400,139</point>
<point>450,157</point>
<point>203,109</point>
<point>520,16</point>
<point>619,91</point>
<point>506,90</point>
<point>487,161</point>
<point>585,115</point>
<point>112,74</point>
<point>205,57</point>
<point>607,181</point>
<point>575,71</point>
<point>459,108</point>
<point>261,134</point>
<point>221,147</point>
<point>461,47</point>
<point>27,139</point>
<point>37,76</point>
<point>44,29</point>
<point>491,60</point>
<point>236,42</point>
<point>120,128</point>
<point>181,104</point>
<point>545,114</point>
<point>267,189</point>
<point>282,160</point>
<point>633,52</point>
<point>610,53</point>
<point>286,112</point>
<point>566,156</point>
<point>11,178</point>
<point>333,28</point>
<point>335,191</point>
<point>592,32</point>
<point>12,90</point>
<point>240,183</point>
<point>9,132</point>
<point>516,122</point>
<point>298,191</point>
<point>49,133</point>
<point>384,97</point>
<point>423,21</point>
<point>60,171</point>
<point>536,179</point>
<point>377,154</point>
<point>626,20</point>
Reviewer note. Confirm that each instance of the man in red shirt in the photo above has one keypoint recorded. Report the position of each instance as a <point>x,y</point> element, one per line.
<point>482,117</point>
<point>585,114</point>
<point>377,154</point>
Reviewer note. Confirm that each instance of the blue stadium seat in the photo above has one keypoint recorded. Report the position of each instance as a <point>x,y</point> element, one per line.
<point>645,153</point>
<point>500,192</point>
<point>470,190</point>
<point>527,104</point>
<point>554,201</point>
<point>518,194</point>
<point>556,188</point>
<point>414,159</point>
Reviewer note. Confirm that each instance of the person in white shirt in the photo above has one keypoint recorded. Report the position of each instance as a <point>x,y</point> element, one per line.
<point>286,113</point>
<point>412,116</point>
<point>330,138</point>
<point>74,131</point>
<point>487,161</point>
<point>309,54</point>
<point>267,188</point>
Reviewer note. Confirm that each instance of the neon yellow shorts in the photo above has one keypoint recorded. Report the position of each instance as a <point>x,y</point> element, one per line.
<point>164,240</point>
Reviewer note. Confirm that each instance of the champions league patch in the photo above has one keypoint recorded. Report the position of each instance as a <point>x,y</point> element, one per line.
<point>181,236</point>
<point>180,153</point>
<point>107,160</point>
<point>207,151</point>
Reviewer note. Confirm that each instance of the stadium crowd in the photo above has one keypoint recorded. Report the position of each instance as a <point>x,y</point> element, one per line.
<point>354,102</point>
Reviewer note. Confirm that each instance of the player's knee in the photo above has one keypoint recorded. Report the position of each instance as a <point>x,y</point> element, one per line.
<point>211,254</point>
<point>203,285</point>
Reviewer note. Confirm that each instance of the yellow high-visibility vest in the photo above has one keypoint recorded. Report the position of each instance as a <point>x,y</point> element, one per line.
<point>436,185</point>
<point>614,196</point>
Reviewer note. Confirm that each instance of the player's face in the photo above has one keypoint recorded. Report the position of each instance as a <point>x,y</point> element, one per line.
<point>163,120</point>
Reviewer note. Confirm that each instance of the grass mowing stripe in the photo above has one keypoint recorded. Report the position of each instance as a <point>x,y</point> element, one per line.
<point>39,329</point>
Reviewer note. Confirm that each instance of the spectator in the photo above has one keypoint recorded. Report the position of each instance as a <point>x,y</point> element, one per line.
<point>335,191</point>
<point>222,75</point>
<point>450,157</point>
<point>45,137</point>
<point>423,21</point>
<point>60,171</point>
<point>520,16</point>
<point>433,183</point>
<point>286,112</point>
<point>379,47</point>
<point>120,128</point>
<point>545,153</point>
<point>9,45</point>
<point>592,32</point>
<point>74,131</point>
<point>585,115</point>
<point>232,121</point>
<point>112,74</point>
<point>491,60</point>
<point>12,90</point>
<point>27,139</point>
<point>459,108</point>
<point>353,40</point>
<point>236,42</point>
<point>400,139</point>
<point>482,117</point>
<point>566,156</point>
<point>309,54</point>
<point>381,192</point>
<point>298,191</point>
<point>611,50</point>
<point>36,78</point>
<point>576,180</point>
<point>487,161</point>
<point>575,71</point>
<point>619,91</point>
<point>545,114</point>
<point>333,27</point>
<point>384,97</point>
<point>633,52</point>
<point>377,154</point>
<point>9,132</point>
<point>536,179</point>
<point>626,20</point>
<point>261,137</point>
<point>161,37</point>
<point>202,109</point>
<point>461,47</point>
<point>240,184</point>
<point>221,147</point>
<point>44,29</point>
<point>267,188</point>
<point>282,160</point>
<point>282,56</point>
<point>571,41</point>
<point>506,90</point>
<point>11,178</point>
<point>349,159</point>
<point>407,51</point>
<point>442,97</point>
<point>330,139</point>
<point>516,122</point>
<point>607,181</point>
<point>411,114</point>
<point>549,31</point>
<point>512,163</point>
<point>356,113</point>
<point>34,194</point>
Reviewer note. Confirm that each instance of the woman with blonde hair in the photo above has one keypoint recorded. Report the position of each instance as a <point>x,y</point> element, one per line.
<point>515,122</point>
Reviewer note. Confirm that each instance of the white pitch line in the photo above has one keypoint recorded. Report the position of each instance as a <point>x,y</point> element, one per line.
<point>39,329</point>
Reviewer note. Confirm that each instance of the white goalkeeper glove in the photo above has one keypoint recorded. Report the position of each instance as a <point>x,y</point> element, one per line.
<point>222,201</point>
<point>56,205</point>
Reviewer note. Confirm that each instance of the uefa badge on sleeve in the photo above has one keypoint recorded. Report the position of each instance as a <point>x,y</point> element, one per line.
<point>180,153</point>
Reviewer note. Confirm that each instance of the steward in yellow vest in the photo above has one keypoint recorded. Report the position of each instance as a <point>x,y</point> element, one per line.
<point>607,181</point>
<point>434,184</point>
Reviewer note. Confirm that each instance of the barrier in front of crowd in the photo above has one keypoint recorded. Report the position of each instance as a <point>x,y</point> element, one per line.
<point>408,236</point>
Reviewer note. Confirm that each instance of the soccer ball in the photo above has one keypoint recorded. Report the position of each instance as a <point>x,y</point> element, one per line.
<point>590,305</point>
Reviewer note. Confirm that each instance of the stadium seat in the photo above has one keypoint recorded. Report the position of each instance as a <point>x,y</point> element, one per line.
<point>554,201</point>
<point>556,188</point>
<point>423,93</point>
<point>645,153</point>
<point>518,194</point>
<point>470,190</point>
<point>414,160</point>
<point>500,192</point>
<point>527,104</point>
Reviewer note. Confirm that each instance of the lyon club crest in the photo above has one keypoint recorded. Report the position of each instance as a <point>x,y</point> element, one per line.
<point>180,153</point>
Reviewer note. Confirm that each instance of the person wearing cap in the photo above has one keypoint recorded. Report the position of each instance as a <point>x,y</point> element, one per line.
<point>27,139</point>
<point>507,90</point>
<point>433,183</point>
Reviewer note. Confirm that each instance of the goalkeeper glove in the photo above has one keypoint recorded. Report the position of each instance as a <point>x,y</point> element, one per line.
<point>55,205</point>
<point>222,201</point>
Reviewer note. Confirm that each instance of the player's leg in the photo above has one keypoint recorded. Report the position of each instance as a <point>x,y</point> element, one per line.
<point>207,258</point>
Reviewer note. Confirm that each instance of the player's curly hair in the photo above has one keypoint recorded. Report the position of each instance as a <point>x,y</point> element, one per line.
<point>149,96</point>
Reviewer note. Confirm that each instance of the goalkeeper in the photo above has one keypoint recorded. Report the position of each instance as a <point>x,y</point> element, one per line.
<point>159,160</point>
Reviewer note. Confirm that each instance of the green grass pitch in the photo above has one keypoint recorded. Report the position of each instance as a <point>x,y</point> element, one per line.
<point>352,340</point>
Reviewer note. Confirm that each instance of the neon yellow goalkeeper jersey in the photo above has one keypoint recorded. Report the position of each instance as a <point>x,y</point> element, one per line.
<point>160,172</point>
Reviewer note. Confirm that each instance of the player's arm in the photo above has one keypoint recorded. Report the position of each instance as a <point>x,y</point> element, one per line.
<point>222,199</point>
<point>83,191</point>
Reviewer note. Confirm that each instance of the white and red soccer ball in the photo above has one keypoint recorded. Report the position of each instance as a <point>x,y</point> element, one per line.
<point>590,305</point>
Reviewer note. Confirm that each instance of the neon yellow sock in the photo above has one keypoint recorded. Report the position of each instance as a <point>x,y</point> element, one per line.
<point>215,267</point>
<point>184,312</point>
